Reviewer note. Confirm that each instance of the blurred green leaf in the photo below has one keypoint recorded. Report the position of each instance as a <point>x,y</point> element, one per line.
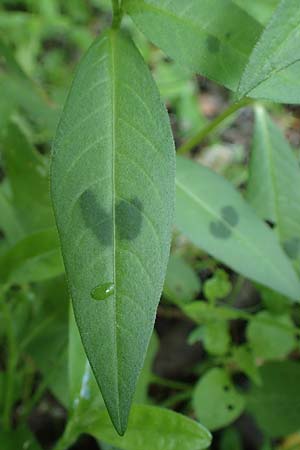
<point>202,312</point>
<point>218,286</point>
<point>224,33</point>
<point>273,69</point>
<point>21,438</point>
<point>216,401</point>
<point>243,357</point>
<point>271,336</point>
<point>181,283</point>
<point>216,337</point>
<point>277,199</point>
<point>28,176</point>
<point>231,440</point>
<point>275,405</point>
<point>211,213</point>
<point>36,257</point>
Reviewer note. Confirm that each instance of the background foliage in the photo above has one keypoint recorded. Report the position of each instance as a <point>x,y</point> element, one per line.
<point>226,349</point>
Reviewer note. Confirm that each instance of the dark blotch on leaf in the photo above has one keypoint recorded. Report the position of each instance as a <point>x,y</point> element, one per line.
<point>270,224</point>
<point>292,247</point>
<point>95,218</point>
<point>230,215</point>
<point>129,215</point>
<point>230,407</point>
<point>213,44</point>
<point>219,230</point>
<point>2,235</point>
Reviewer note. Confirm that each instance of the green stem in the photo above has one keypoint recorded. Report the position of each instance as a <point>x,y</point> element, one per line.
<point>172,401</point>
<point>11,364</point>
<point>117,14</point>
<point>169,383</point>
<point>194,141</point>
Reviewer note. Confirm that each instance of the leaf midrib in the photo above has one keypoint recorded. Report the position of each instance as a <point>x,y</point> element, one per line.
<point>114,139</point>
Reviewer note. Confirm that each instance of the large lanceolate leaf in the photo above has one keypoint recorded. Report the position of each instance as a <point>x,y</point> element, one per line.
<point>212,37</point>
<point>273,69</point>
<point>215,217</point>
<point>113,194</point>
<point>277,198</point>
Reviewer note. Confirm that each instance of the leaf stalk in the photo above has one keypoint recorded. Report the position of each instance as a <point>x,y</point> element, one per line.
<point>195,140</point>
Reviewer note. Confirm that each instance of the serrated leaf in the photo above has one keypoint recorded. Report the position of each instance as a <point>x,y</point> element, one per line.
<point>215,217</point>
<point>212,37</point>
<point>113,194</point>
<point>216,401</point>
<point>273,68</point>
<point>277,199</point>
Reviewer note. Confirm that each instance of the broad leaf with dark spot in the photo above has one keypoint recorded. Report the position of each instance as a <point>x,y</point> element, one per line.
<point>113,193</point>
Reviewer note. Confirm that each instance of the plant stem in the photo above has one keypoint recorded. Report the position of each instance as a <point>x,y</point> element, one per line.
<point>169,383</point>
<point>11,364</point>
<point>117,14</point>
<point>194,141</point>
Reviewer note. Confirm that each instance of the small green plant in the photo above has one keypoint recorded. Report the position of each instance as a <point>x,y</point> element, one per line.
<point>122,197</point>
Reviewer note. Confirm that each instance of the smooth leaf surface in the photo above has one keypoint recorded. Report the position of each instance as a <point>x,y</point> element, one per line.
<point>216,401</point>
<point>273,68</point>
<point>212,37</point>
<point>152,427</point>
<point>211,213</point>
<point>275,405</point>
<point>277,199</point>
<point>113,194</point>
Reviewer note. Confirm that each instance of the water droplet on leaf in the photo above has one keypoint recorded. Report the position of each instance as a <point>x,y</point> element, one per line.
<point>103,291</point>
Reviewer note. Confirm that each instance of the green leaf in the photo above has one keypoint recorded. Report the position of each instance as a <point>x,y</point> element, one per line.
<point>261,10</point>
<point>36,257</point>
<point>182,283</point>
<point>243,357</point>
<point>218,286</point>
<point>28,177</point>
<point>275,405</point>
<point>273,68</point>
<point>224,34</point>
<point>216,401</point>
<point>271,336</point>
<point>216,218</point>
<point>113,194</point>
<point>9,223</point>
<point>152,427</point>
<point>277,199</point>
<point>20,438</point>
<point>216,338</point>
<point>202,312</point>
